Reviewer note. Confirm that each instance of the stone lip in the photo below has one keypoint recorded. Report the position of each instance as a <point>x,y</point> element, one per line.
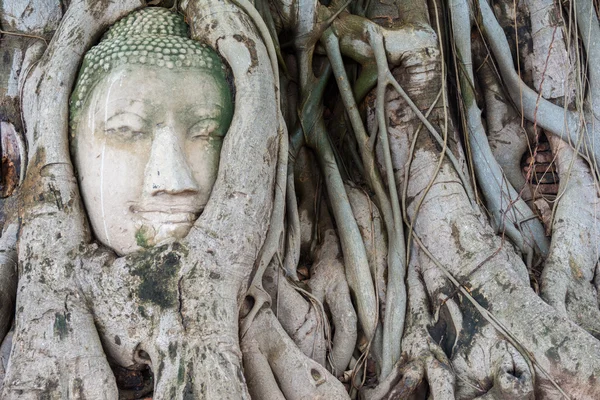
<point>167,217</point>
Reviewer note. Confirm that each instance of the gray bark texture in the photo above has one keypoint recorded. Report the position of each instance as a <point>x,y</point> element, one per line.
<point>406,207</point>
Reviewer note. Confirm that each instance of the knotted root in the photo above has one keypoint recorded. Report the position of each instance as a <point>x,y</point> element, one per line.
<point>276,367</point>
<point>423,360</point>
<point>328,285</point>
<point>569,272</point>
<point>305,318</point>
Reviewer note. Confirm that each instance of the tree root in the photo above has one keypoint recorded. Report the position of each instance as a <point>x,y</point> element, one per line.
<point>587,22</point>
<point>328,285</point>
<point>355,259</point>
<point>500,288</point>
<point>487,274</point>
<point>422,358</point>
<point>394,313</point>
<point>167,309</point>
<point>512,379</point>
<point>570,126</point>
<point>374,235</point>
<point>387,204</point>
<point>507,138</point>
<point>5,348</point>
<point>46,348</point>
<point>276,367</point>
<point>568,275</point>
<point>510,213</point>
<point>304,319</point>
<point>8,277</point>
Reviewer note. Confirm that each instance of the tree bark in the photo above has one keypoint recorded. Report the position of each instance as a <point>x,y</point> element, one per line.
<point>392,252</point>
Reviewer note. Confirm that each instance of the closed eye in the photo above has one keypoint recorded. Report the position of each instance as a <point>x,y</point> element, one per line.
<point>126,125</point>
<point>125,132</point>
<point>205,129</point>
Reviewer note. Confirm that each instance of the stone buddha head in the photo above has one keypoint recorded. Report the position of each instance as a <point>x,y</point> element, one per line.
<point>148,116</point>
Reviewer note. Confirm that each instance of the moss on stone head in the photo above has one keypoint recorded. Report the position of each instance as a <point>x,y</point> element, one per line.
<point>157,269</point>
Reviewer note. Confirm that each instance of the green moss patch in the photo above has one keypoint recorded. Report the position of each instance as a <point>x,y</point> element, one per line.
<point>157,269</point>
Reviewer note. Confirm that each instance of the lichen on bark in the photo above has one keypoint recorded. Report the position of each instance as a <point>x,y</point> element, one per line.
<point>389,248</point>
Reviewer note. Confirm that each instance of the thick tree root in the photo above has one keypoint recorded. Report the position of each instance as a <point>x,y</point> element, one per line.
<point>569,271</point>
<point>496,281</point>
<point>164,308</point>
<point>506,135</point>
<point>305,320</point>
<point>56,349</point>
<point>277,369</point>
<point>488,271</point>
<point>422,358</point>
<point>5,348</point>
<point>328,285</point>
<point>300,318</point>
<point>510,213</point>
<point>8,277</point>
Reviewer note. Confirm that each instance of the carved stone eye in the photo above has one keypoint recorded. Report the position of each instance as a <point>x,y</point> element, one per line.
<point>126,126</point>
<point>203,129</point>
<point>125,132</point>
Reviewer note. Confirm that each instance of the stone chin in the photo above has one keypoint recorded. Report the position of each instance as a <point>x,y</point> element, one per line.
<point>148,235</point>
<point>155,228</point>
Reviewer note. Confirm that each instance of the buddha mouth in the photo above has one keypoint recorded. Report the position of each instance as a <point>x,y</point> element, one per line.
<point>167,214</point>
<point>160,217</point>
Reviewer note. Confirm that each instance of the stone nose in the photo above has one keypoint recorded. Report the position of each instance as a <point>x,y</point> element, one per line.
<point>167,170</point>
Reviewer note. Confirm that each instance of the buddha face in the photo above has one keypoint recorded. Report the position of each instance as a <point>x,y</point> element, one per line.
<point>147,152</point>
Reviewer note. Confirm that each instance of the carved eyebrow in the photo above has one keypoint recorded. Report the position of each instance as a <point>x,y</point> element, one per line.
<point>125,120</point>
<point>124,102</point>
<point>124,113</point>
<point>203,111</point>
